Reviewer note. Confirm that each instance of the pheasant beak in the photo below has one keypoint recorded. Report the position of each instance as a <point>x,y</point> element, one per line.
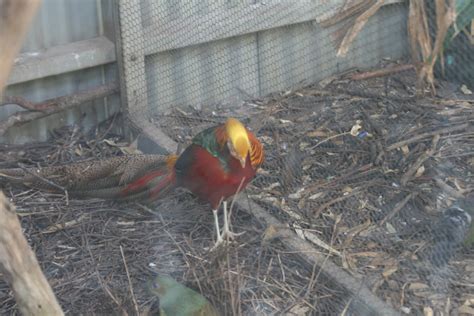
<point>243,162</point>
<point>242,159</point>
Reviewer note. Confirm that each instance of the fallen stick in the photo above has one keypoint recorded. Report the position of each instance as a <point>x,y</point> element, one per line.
<point>448,189</point>
<point>427,134</point>
<point>20,267</point>
<point>397,208</point>
<point>381,72</point>
<point>26,104</point>
<point>417,164</point>
<point>52,106</point>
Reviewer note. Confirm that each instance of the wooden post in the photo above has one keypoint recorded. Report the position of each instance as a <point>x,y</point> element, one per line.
<point>20,267</point>
<point>18,263</point>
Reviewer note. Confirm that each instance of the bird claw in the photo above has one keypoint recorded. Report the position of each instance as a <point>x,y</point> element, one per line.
<point>225,238</point>
<point>229,235</point>
<point>218,243</point>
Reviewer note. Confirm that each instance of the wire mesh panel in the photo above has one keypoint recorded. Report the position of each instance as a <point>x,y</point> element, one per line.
<point>355,165</point>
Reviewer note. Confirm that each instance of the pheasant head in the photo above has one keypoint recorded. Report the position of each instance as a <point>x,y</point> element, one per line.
<point>238,140</point>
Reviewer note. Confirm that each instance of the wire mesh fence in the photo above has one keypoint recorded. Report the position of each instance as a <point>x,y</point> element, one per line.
<point>359,168</point>
<point>371,169</point>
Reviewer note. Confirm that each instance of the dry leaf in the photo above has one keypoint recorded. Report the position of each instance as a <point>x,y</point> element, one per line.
<point>347,189</point>
<point>304,145</point>
<point>125,223</point>
<point>383,260</point>
<point>356,128</point>
<point>110,142</point>
<point>420,171</point>
<point>466,310</point>
<point>465,90</point>
<point>428,311</point>
<point>272,186</point>
<point>405,150</point>
<point>420,289</point>
<point>471,161</point>
<point>57,227</point>
<point>349,262</point>
<point>263,172</point>
<point>296,195</point>
<point>299,231</point>
<point>356,231</point>
<point>316,196</point>
<point>337,142</point>
<point>388,271</point>
<point>270,233</point>
<point>416,286</point>
<point>78,151</point>
<point>298,310</point>
<point>318,242</point>
<point>129,149</point>
<point>371,254</point>
<point>266,139</point>
<point>372,245</point>
<point>390,228</point>
<point>317,133</point>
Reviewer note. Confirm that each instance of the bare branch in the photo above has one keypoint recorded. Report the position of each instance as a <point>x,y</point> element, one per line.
<point>54,105</point>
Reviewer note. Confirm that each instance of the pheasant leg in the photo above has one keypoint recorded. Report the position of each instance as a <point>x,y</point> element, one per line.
<point>226,232</point>
<point>219,240</point>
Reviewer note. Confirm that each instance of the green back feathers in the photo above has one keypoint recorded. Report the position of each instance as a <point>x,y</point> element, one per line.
<point>210,140</point>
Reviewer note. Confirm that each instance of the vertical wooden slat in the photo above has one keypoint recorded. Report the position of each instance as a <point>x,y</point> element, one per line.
<point>15,17</point>
<point>131,58</point>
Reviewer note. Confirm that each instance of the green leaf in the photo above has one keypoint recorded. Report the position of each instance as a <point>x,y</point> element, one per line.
<point>465,14</point>
<point>177,299</point>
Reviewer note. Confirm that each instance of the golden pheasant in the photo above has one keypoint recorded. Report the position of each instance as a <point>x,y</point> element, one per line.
<point>220,161</point>
<point>132,177</point>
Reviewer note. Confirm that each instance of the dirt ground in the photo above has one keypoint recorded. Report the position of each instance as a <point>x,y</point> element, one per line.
<point>361,169</point>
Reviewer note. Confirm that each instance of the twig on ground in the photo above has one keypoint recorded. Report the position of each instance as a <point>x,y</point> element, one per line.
<point>398,207</point>
<point>421,159</point>
<point>421,136</point>
<point>381,72</point>
<point>448,189</point>
<point>134,299</point>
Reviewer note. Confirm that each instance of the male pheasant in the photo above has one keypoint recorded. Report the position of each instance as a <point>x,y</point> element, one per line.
<point>221,160</point>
